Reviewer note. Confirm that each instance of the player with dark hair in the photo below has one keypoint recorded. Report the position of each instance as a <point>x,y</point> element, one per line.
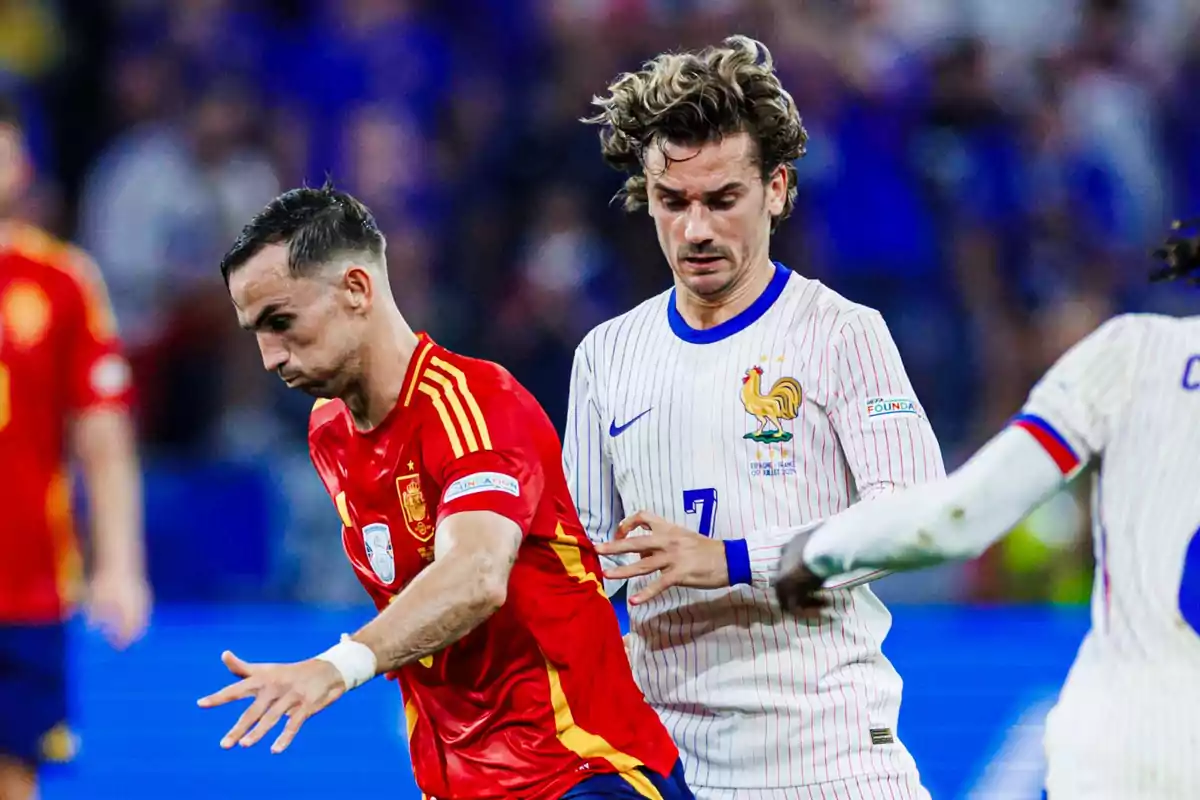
<point>456,518</point>
<point>64,388</point>
<point>1123,403</point>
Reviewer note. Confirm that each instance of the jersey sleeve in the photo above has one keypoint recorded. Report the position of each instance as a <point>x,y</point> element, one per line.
<point>478,444</point>
<point>887,438</point>
<point>97,372</point>
<point>587,463</point>
<point>956,518</point>
<point>1072,410</point>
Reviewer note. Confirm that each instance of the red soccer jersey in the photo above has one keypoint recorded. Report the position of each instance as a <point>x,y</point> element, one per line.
<point>58,356</point>
<point>540,695</point>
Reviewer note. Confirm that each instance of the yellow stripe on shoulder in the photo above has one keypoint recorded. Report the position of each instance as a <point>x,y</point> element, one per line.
<point>456,406</point>
<point>460,381</point>
<point>435,397</point>
<point>416,370</point>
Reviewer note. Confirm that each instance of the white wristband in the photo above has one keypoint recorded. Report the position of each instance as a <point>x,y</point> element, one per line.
<point>354,660</point>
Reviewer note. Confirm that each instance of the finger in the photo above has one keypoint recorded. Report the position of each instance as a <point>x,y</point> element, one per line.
<point>99,616</point>
<point>802,599</point>
<point>234,691</point>
<point>137,619</point>
<point>810,614</point>
<point>643,566</point>
<point>653,590</point>
<point>295,719</point>
<point>269,719</point>
<point>636,544</point>
<point>787,590</point>
<point>251,715</point>
<point>640,519</point>
<point>243,669</point>
<point>127,628</point>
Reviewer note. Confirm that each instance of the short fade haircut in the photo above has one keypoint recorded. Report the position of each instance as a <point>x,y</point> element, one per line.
<point>697,98</point>
<point>317,225</point>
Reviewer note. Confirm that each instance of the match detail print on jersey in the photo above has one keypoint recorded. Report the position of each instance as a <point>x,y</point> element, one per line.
<point>482,482</point>
<point>883,407</point>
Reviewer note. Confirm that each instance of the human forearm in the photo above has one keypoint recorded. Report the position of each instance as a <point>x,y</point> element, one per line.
<point>474,553</point>
<point>955,518</point>
<point>104,445</point>
<point>443,604</point>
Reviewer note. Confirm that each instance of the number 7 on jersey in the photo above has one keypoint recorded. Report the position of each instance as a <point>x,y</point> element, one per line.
<point>704,503</point>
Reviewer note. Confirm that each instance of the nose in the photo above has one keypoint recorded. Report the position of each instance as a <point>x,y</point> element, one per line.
<point>698,224</point>
<point>274,354</point>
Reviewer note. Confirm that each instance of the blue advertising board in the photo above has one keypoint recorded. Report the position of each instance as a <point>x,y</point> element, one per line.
<point>977,682</point>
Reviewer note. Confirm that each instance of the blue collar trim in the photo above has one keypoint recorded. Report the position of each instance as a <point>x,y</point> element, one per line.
<point>735,324</point>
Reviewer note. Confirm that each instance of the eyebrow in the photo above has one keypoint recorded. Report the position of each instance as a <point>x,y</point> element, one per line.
<point>732,186</point>
<point>268,311</point>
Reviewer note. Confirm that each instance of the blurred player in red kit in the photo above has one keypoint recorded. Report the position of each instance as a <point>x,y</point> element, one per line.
<point>64,389</point>
<point>456,517</point>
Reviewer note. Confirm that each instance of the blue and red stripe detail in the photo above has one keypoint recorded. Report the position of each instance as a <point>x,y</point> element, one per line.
<point>1052,442</point>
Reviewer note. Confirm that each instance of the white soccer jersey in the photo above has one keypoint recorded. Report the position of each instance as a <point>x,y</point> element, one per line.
<point>1129,397</point>
<point>783,415</point>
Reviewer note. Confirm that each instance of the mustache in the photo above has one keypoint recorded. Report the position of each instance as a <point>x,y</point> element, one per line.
<point>702,251</point>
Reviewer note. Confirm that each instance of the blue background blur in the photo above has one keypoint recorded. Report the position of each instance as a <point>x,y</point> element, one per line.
<point>988,173</point>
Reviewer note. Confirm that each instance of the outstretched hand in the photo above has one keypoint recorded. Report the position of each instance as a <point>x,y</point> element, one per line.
<point>680,556</point>
<point>296,691</point>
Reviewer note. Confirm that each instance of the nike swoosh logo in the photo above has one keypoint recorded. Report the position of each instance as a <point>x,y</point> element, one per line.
<point>615,430</point>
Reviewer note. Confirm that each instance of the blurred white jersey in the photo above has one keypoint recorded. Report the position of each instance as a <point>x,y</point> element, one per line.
<point>783,415</point>
<point>1128,397</point>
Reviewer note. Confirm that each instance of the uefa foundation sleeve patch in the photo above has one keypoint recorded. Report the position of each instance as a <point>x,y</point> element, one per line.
<point>481,482</point>
<point>881,407</point>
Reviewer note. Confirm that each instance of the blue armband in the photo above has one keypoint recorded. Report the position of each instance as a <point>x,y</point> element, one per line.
<point>737,557</point>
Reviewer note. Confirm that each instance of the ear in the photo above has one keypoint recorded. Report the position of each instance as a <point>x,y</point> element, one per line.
<point>359,286</point>
<point>777,189</point>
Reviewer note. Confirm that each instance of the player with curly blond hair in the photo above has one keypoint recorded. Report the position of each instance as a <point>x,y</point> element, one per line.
<point>745,401</point>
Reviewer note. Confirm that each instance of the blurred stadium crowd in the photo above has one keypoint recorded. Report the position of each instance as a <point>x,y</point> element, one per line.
<point>987,173</point>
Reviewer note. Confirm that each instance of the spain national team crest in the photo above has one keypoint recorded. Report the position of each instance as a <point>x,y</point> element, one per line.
<point>377,539</point>
<point>781,403</point>
<point>416,510</point>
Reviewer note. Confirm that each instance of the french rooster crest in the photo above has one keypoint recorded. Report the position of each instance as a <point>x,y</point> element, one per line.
<point>781,402</point>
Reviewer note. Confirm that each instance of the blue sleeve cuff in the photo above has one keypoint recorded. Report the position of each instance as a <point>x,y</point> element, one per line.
<point>737,557</point>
